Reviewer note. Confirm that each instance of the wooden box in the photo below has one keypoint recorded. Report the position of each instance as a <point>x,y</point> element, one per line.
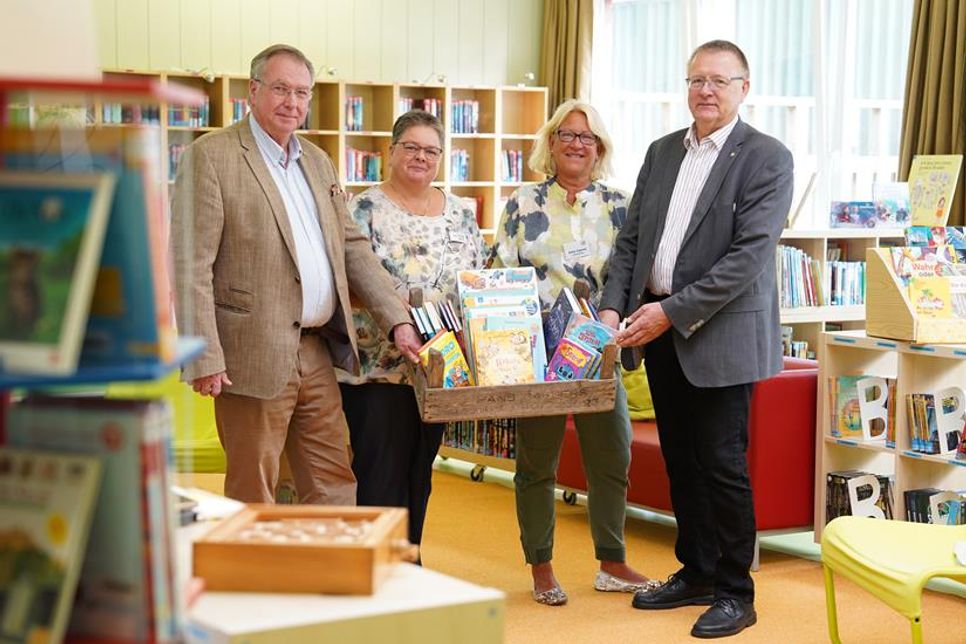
<point>302,549</point>
<point>438,405</point>
<point>889,313</point>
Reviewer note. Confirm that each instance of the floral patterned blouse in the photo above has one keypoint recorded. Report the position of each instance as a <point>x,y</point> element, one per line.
<point>417,251</point>
<point>562,242</point>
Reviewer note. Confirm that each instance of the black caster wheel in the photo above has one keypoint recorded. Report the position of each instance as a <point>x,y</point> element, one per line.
<point>570,498</point>
<point>476,474</point>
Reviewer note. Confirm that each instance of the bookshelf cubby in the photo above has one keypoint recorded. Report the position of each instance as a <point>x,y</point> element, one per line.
<point>809,322</point>
<point>508,119</point>
<point>917,368</point>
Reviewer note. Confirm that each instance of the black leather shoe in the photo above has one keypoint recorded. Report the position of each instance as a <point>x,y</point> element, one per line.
<point>673,593</point>
<point>727,616</point>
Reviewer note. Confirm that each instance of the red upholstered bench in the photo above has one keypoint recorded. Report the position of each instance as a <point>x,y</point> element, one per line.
<point>781,453</point>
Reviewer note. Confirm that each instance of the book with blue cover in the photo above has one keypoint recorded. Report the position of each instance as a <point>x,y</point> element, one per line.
<point>52,231</point>
<point>130,313</point>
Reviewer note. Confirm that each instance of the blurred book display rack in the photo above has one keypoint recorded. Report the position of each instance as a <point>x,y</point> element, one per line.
<point>86,299</point>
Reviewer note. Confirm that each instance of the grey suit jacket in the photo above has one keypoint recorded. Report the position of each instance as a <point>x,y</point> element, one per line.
<point>724,302</point>
<point>237,280</point>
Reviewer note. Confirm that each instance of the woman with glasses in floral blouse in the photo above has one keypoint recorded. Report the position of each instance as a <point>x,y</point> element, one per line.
<point>565,227</point>
<point>423,236</point>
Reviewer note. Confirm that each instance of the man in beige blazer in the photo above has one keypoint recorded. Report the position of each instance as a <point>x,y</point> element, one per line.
<point>265,256</point>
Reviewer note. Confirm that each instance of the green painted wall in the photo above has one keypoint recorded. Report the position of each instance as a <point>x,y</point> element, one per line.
<point>486,42</point>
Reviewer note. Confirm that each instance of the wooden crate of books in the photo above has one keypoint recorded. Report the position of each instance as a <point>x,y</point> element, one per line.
<point>932,316</point>
<point>438,405</point>
<point>302,549</point>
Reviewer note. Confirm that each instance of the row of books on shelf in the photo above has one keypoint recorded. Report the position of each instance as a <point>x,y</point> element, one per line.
<point>794,348</point>
<point>465,115</point>
<point>86,528</point>
<point>497,335</point>
<point>924,200</point>
<point>511,165</point>
<point>353,113</point>
<point>459,165</point>
<point>863,408</point>
<point>239,109</point>
<point>432,105</point>
<point>861,493</point>
<point>362,165</point>
<point>494,437</point>
<point>190,115</point>
<point>119,113</point>
<point>858,493</point>
<point>803,283</point>
<point>84,260</point>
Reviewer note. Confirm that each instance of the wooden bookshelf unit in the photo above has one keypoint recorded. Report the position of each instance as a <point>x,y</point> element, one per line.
<point>507,119</point>
<point>809,322</point>
<point>917,368</point>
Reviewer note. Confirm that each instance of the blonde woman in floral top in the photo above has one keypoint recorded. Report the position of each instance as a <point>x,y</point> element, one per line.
<point>565,228</point>
<point>423,236</point>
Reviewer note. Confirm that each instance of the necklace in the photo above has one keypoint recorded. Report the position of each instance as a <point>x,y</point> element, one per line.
<point>405,203</point>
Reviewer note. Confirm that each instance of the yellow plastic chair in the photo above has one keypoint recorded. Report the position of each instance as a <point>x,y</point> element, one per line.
<point>195,442</point>
<point>893,560</point>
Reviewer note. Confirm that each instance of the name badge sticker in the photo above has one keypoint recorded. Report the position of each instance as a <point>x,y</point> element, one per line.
<point>576,251</point>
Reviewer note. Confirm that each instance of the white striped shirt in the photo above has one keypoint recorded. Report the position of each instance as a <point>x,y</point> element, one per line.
<point>697,164</point>
<point>315,271</point>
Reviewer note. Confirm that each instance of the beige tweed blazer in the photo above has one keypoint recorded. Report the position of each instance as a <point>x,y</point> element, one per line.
<point>237,283</point>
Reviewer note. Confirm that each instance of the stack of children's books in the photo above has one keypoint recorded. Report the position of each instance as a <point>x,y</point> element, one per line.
<point>933,267</point>
<point>501,337</point>
<point>575,338</point>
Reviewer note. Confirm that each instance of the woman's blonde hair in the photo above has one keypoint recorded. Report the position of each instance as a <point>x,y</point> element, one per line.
<point>542,161</point>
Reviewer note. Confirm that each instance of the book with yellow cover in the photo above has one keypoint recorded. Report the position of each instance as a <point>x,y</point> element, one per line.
<point>932,184</point>
<point>456,372</point>
<point>503,356</point>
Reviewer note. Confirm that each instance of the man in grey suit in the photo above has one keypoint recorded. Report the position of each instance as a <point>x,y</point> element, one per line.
<point>265,257</point>
<point>693,271</point>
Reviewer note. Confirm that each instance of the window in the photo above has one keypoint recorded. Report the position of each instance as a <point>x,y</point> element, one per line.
<point>827,79</point>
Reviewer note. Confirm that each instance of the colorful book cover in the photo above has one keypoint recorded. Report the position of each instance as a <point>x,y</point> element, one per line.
<point>854,214</point>
<point>456,372</point>
<point>503,357</point>
<point>555,323</point>
<point>589,332</point>
<point>131,316</point>
<point>572,361</point>
<point>126,575</point>
<point>931,297</point>
<point>46,504</point>
<point>891,199</point>
<point>932,185</point>
<point>848,418</point>
<point>52,229</point>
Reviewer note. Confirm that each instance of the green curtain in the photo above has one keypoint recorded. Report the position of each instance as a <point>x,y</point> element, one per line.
<point>934,112</point>
<point>568,27</point>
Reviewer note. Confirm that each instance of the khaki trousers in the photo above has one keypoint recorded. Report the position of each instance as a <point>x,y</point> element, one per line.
<point>305,421</point>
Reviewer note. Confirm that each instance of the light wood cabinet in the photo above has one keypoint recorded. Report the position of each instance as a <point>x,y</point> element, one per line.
<point>507,119</point>
<point>917,368</point>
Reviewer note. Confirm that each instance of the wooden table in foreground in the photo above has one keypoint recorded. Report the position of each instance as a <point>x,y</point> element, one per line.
<point>412,606</point>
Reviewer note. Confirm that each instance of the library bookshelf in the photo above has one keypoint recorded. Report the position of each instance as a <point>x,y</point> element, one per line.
<point>500,129</point>
<point>917,368</point>
<point>809,322</point>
